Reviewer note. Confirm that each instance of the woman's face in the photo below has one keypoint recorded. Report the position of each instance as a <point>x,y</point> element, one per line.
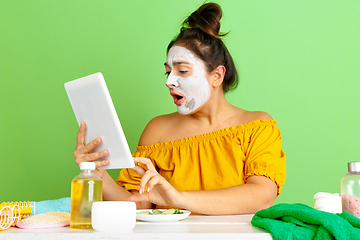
<point>186,80</point>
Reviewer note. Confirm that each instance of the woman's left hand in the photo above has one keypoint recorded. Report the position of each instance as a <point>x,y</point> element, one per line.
<point>159,190</point>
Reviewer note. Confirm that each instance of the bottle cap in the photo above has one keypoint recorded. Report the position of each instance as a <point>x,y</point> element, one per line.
<point>87,165</point>
<point>354,166</point>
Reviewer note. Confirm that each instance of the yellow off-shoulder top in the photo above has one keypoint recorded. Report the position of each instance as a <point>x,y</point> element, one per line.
<point>216,160</point>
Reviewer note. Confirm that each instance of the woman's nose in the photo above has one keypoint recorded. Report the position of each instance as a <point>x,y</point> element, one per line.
<point>172,81</point>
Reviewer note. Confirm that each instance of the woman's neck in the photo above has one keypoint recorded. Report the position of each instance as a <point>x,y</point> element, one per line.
<point>213,112</point>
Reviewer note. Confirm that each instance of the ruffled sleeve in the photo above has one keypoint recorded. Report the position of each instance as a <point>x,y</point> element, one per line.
<point>263,154</point>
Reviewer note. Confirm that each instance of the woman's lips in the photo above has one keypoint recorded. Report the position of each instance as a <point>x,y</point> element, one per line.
<point>178,99</point>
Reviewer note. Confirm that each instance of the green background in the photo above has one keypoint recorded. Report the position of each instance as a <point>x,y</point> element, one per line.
<point>298,61</point>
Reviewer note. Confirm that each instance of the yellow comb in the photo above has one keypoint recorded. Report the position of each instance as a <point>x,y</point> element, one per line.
<point>12,212</point>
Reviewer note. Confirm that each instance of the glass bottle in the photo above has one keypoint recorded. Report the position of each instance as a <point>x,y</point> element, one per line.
<point>350,190</point>
<point>86,188</point>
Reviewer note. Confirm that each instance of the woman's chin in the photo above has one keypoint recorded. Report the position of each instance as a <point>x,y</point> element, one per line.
<point>183,110</point>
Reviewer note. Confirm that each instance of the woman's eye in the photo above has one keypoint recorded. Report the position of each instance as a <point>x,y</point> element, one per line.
<point>183,72</point>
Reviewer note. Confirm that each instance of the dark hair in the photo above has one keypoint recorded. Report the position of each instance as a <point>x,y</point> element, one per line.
<point>200,34</point>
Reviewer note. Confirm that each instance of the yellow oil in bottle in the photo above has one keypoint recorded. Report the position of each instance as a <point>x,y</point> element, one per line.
<point>86,188</point>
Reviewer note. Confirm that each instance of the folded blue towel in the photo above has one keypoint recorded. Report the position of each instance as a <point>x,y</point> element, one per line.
<point>299,221</point>
<point>57,205</point>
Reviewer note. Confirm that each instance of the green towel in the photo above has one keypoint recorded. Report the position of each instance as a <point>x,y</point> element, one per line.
<point>299,221</point>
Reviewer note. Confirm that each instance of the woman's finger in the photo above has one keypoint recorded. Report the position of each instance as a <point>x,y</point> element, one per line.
<point>90,146</point>
<point>145,179</point>
<point>139,170</point>
<point>101,163</point>
<point>85,152</point>
<point>140,198</point>
<point>147,162</point>
<point>97,163</point>
<point>96,155</point>
<point>153,182</point>
<point>80,136</point>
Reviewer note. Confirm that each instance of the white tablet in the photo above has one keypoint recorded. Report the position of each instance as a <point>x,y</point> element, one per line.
<point>92,104</point>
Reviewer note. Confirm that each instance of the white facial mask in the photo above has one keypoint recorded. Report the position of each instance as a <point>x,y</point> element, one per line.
<point>194,88</point>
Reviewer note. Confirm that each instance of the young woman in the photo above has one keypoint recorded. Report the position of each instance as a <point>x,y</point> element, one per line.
<point>209,157</point>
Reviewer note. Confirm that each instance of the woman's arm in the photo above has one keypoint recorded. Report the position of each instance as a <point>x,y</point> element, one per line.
<point>257,193</point>
<point>113,191</point>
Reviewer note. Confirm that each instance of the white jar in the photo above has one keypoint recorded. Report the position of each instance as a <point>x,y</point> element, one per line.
<point>113,216</point>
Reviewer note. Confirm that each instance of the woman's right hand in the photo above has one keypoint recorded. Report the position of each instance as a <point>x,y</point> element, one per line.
<point>83,152</point>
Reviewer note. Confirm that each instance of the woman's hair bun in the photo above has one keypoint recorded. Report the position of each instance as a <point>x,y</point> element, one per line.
<point>207,18</point>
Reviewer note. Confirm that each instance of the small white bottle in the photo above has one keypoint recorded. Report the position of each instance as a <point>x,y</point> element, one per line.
<point>86,188</point>
<point>350,190</point>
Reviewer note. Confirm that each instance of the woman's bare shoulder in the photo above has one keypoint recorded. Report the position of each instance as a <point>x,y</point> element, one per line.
<point>259,115</point>
<point>244,116</point>
<point>156,128</point>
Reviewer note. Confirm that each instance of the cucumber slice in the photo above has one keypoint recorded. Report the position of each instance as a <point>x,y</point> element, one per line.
<point>158,212</point>
<point>170,211</point>
<point>155,212</point>
<point>144,213</point>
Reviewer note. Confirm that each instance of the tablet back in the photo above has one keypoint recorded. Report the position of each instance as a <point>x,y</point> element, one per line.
<point>92,104</point>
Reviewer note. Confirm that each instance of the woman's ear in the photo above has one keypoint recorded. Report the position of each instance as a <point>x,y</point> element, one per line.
<point>219,73</point>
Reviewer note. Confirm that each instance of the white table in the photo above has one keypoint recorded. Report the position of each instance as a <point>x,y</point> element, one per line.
<point>193,227</point>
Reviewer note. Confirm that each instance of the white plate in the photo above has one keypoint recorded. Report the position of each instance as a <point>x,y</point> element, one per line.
<point>160,217</point>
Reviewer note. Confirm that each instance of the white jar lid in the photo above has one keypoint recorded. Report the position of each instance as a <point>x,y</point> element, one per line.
<point>354,166</point>
<point>87,165</point>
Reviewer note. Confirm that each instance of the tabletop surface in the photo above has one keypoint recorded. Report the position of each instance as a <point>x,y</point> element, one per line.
<point>193,227</point>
